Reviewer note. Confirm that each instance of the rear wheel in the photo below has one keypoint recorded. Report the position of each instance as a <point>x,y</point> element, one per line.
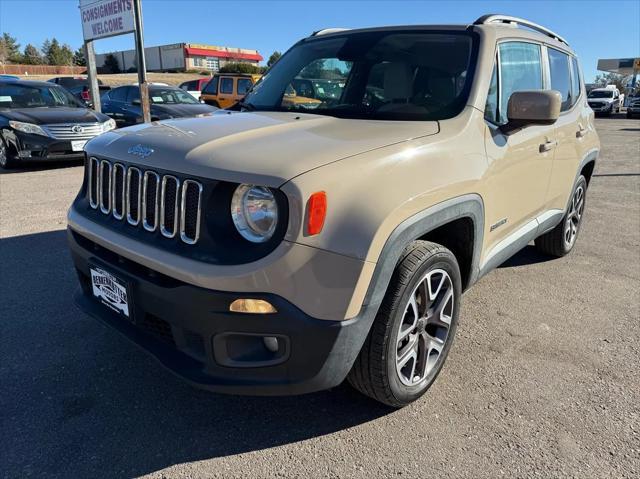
<point>561,239</point>
<point>414,329</point>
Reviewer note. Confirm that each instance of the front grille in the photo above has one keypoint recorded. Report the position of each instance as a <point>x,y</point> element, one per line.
<point>73,131</point>
<point>158,202</point>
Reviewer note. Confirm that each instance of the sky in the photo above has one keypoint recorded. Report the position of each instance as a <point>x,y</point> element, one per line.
<point>594,28</point>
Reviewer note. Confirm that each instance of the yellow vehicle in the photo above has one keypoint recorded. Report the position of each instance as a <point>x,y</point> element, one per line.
<point>226,89</point>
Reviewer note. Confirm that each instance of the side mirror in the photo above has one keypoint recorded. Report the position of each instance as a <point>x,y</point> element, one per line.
<point>532,107</point>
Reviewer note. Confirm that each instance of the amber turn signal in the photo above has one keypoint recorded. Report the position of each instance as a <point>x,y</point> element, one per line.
<point>317,210</point>
<point>252,306</point>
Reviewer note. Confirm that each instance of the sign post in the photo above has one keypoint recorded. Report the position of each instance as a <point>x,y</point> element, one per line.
<point>108,18</point>
<point>142,64</point>
<point>92,74</point>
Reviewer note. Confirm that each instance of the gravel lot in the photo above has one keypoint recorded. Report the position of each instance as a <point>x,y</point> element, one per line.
<point>543,381</point>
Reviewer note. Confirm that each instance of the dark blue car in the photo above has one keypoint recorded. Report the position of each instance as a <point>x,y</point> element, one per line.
<point>123,104</point>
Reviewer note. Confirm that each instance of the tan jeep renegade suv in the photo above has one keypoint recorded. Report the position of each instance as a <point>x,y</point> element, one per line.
<point>283,247</point>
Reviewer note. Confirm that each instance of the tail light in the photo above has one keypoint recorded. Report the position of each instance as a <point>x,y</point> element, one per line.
<point>85,95</point>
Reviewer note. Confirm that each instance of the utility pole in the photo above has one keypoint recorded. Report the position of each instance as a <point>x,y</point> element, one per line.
<point>142,64</point>
<point>92,75</point>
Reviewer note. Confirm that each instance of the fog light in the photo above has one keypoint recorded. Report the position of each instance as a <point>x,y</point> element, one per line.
<point>24,154</point>
<point>270,343</point>
<point>252,306</point>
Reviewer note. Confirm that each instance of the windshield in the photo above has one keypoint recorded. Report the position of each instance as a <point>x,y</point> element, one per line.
<point>35,96</point>
<point>170,96</point>
<point>392,75</point>
<point>601,94</point>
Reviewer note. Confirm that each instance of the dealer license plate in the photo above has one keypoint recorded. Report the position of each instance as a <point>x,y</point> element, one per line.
<point>111,291</point>
<point>78,145</point>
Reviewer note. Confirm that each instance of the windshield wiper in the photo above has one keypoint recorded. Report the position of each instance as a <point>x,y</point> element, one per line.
<point>247,106</point>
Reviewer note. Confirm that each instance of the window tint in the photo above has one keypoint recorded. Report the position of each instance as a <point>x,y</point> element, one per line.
<point>243,85</point>
<point>226,85</point>
<point>520,69</point>
<point>576,80</point>
<point>211,88</point>
<point>134,94</point>
<point>560,78</point>
<point>491,106</point>
<point>118,94</point>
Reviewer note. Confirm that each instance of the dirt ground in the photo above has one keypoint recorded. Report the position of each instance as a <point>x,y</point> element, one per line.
<point>542,381</point>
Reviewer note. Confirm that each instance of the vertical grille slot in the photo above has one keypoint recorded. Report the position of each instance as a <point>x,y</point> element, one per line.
<point>104,188</point>
<point>190,211</point>
<point>169,206</point>
<point>133,197</point>
<point>118,200</point>
<point>93,182</point>
<point>150,193</point>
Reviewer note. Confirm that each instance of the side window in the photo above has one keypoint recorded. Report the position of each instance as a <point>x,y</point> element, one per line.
<point>520,69</point>
<point>243,85</point>
<point>226,85</point>
<point>118,94</point>
<point>576,80</point>
<point>211,88</point>
<point>491,106</point>
<point>133,94</point>
<point>560,77</point>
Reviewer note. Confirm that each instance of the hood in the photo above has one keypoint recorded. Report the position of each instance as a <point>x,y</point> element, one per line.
<point>49,115</point>
<point>265,148</point>
<point>181,110</point>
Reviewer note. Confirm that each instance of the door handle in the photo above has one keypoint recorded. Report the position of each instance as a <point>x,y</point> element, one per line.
<point>547,146</point>
<point>581,132</point>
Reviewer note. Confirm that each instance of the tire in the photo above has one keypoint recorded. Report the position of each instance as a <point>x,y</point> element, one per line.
<point>6,161</point>
<point>560,240</point>
<point>428,273</point>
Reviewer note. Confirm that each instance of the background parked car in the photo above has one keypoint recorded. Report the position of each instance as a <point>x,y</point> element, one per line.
<point>79,87</point>
<point>123,104</point>
<point>194,87</point>
<point>40,120</point>
<point>226,89</point>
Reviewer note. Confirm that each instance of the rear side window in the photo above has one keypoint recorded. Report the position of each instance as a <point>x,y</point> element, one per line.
<point>134,94</point>
<point>560,76</point>
<point>211,88</point>
<point>226,85</point>
<point>520,69</point>
<point>243,85</point>
<point>576,80</point>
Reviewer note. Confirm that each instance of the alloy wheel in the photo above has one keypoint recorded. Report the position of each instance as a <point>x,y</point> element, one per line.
<point>572,222</point>
<point>425,326</point>
<point>3,154</point>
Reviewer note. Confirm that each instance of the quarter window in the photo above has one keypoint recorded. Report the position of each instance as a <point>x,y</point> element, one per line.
<point>118,94</point>
<point>560,77</point>
<point>520,69</point>
<point>576,81</point>
<point>226,85</point>
<point>491,106</point>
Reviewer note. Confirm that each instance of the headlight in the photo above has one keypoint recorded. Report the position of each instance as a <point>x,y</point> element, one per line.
<point>27,128</point>
<point>109,125</point>
<point>254,212</point>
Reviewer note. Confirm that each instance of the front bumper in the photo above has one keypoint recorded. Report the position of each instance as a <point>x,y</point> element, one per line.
<point>37,147</point>
<point>190,330</point>
<point>604,108</point>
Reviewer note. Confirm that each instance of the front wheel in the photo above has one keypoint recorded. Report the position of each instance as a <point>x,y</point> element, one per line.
<point>561,239</point>
<point>5,160</point>
<point>414,328</point>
